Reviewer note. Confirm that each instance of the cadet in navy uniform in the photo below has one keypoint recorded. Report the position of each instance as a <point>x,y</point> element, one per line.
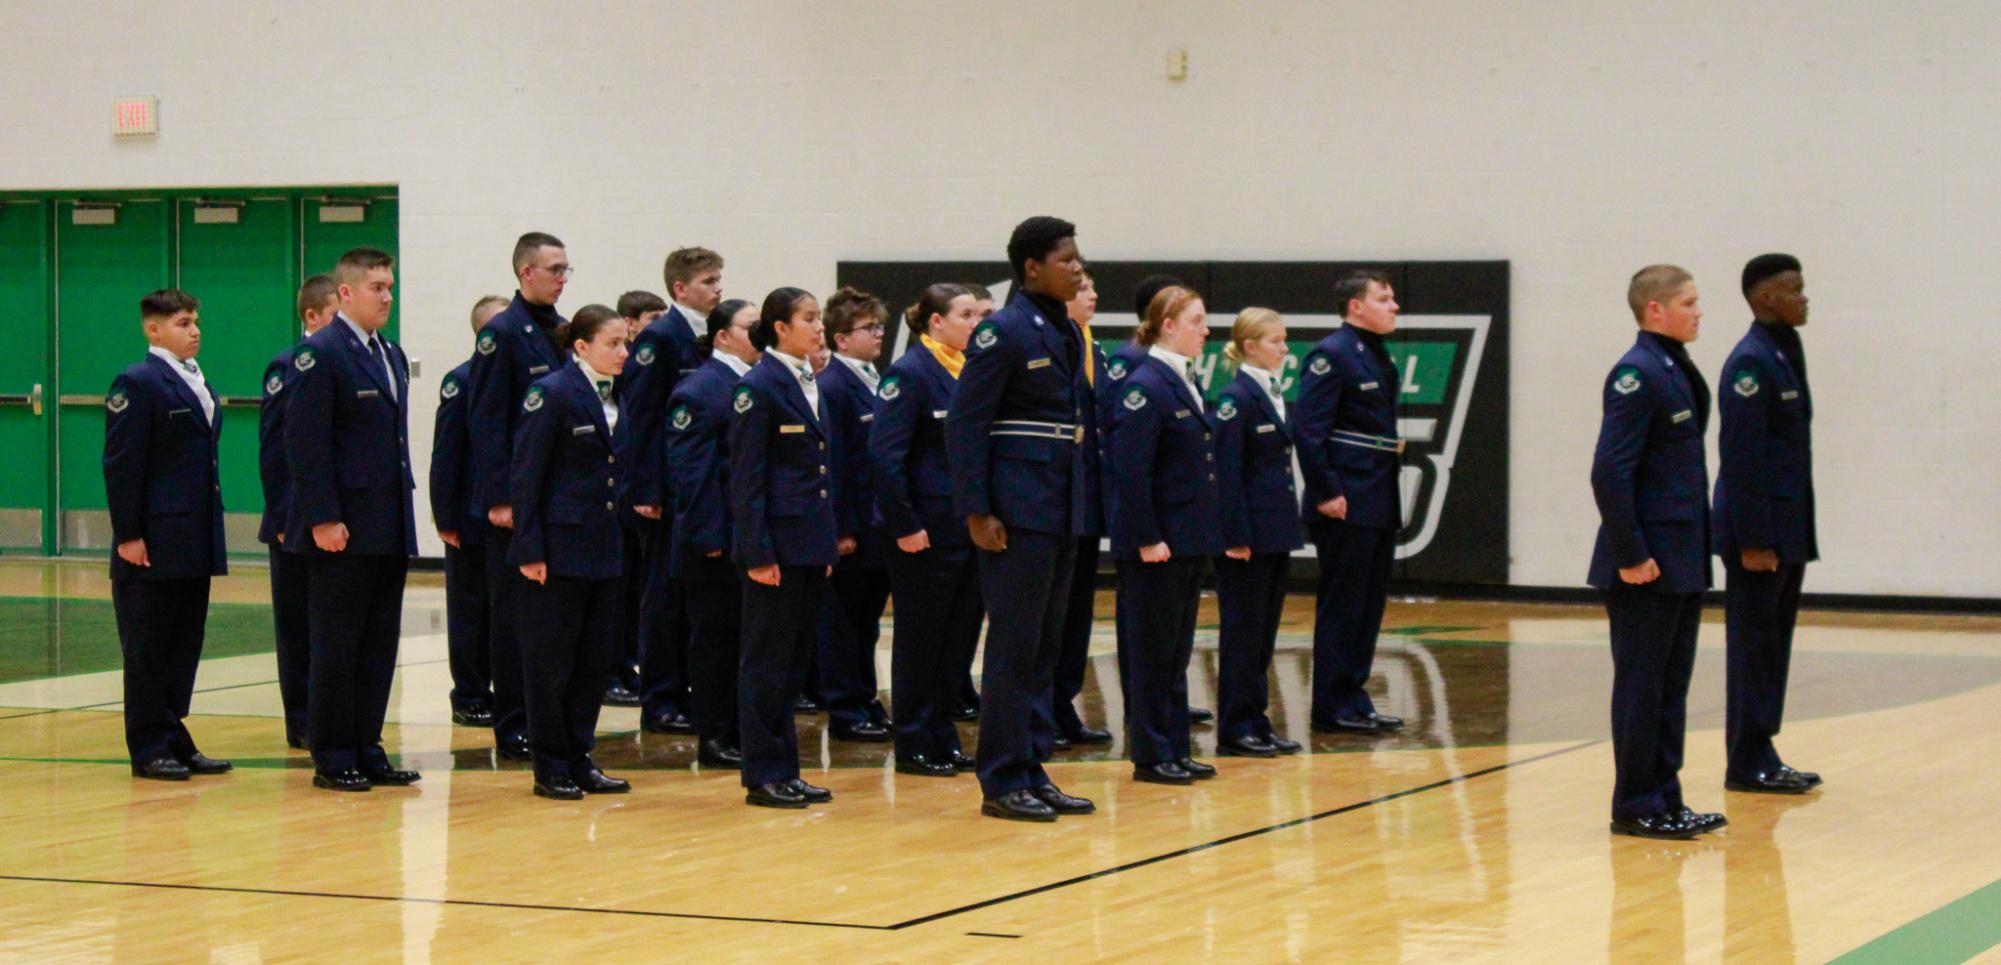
<point>1168,523</point>
<point>664,353</point>
<point>623,686</point>
<point>931,569</point>
<point>347,443</point>
<point>463,530</point>
<point>318,300</point>
<point>1080,613</point>
<point>1014,440</point>
<point>851,614</point>
<point>698,419</point>
<point>1764,519</point>
<point>781,450</point>
<point>164,492</point>
<point>517,347</point>
<point>566,476</point>
<point>1260,505</point>
<point>969,694</point>
<point>1651,483</point>
<point>1349,454</point>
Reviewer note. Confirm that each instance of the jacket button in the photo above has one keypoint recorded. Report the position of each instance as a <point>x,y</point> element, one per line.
<point>823,447</point>
<point>823,494</point>
<point>1205,437</point>
<point>1209,457</point>
<point>609,505</point>
<point>610,459</point>
<point>610,482</point>
<point>823,470</point>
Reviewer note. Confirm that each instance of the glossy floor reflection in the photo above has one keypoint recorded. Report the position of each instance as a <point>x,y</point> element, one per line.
<point>1478,833</point>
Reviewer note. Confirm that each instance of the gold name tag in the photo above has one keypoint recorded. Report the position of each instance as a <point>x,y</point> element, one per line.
<point>870,417</point>
<point>791,430</point>
<point>1366,386</point>
<point>368,394</point>
<point>1267,428</point>
<point>939,413</point>
<point>537,369</point>
<point>1038,363</point>
<point>1183,414</point>
<point>1683,416</point>
<point>584,431</point>
<point>1789,395</point>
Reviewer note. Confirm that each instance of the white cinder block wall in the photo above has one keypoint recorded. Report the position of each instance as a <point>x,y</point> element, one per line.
<point>1579,140</point>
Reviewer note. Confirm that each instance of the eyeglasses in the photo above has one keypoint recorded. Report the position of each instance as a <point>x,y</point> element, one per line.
<point>560,271</point>
<point>876,329</point>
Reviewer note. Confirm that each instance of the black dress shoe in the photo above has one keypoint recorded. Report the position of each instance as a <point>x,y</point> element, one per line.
<point>1199,770</point>
<point>1385,721</point>
<point>1282,745</point>
<point>964,761</point>
<point>472,715</point>
<point>777,794</point>
<point>1786,781</point>
<point>812,794</point>
<point>1352,724</point>
<point>715,753</point>
<point>200,763</point>
<point>559,789</point>
<point>595,781</point>
<point>867,732</point>
<point>1062,803</point>
<point>1166,772</point>
<point>807,705</point>
<point>1251,746</point>
<point>296,743</point>
<point>1663,826</point>
<point>1086,734</point>
<point>1059,743</point>
<point>1703,821</point>
<point>347,780</point>
<point>1021,805</point>
<point>1811,779</point>
<point>1200,715</point>
<point>923,766</point>
<point>967,712</point>
<point>161,769</point>
<point>617,696</point>
<point>516,750</point>
<point>672,722</point>
<point>386,776</point>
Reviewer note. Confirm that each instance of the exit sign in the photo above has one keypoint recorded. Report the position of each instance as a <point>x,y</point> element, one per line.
<point>135,116</point>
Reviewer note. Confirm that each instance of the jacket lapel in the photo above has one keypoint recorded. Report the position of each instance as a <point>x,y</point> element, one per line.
<point>795,395</point>
<point>1258,392</point>
<point>183,391</point>
<point>366,360</point>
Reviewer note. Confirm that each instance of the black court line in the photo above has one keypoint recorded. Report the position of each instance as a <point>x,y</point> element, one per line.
<point>990,934</point>
<point>1242,835</point>
<point>460,902</point>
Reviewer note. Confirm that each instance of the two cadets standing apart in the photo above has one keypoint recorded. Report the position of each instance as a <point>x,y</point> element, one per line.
<point>463,529</point>
<point>163,488</point>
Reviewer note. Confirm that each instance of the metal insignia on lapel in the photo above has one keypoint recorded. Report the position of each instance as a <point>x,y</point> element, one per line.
<point>1226,409</point>
<point>1136,399</point>
<point>743,400</point>
<point>1627,382</point>
<point>891,388</point>
<point>681,417</point>
<point>645,354</point>
<point>487,343</point>
<point>1320,366</point>
<point>533,400</point>
<point>117,402</point>
<point>304,360</point>
<point>1746,384</point>
<point>274,383</point>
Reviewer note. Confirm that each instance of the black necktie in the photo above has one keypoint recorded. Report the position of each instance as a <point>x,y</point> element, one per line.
<point>375,349</point>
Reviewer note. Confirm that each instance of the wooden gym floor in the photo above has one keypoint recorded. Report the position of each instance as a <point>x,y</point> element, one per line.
<point>1476,834</point>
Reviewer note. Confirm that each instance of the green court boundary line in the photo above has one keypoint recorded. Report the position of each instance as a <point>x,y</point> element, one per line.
<point>1952,933</point>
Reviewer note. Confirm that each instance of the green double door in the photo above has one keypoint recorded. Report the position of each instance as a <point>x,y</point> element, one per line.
<point>75,295</point>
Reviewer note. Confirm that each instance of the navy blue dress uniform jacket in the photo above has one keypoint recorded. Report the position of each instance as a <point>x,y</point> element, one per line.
<point>348,447</point>
<point>162,483</point>
<point>565,480</point>
<point>1346,427</point>
<point>912,477</point>
<point>1166,453</point>
<point>664,353</point>
<point>1119,364</point>
<point>1649,475</point>
<point>514,349</point>
<point>451,460</point>
<point>1016,430</point>
<point>1260,500</point>
<point>851,408</point>
<point>1764,480</point>
<point>780,453</point>
<point>272,474</point>
<point>698,419</point>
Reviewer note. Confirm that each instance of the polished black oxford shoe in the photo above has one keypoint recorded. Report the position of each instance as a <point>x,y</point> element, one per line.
<point>1282,745</point>
<point>967,712</point>
<point>1663,826</point>
<point>516,750</point>
<point>812,794</point>
<point>472,715</point>
<point>295,743</point>
<point>161,769</point>
<point>807,705</point>
<point>1059,743</point>
<point>715,753</point>
<point>343,780</point>
<point>923,766</point>
<point>558,789</point>
<point>1021,805</point>
<point>1086,734</point>
<point>1200,715</point>
<point>866,732</point>
<point>1704,821</point>
<point>673,722</point>
<point>1811,779</point>
<point>776,794</point>
<point>1165,772</point>
<point>200,763</point>
<point>1785,781</point>
<point>386,776</point>
<point>1251,746</point>
<point>964,761</point>
<point>593,780</point>
<point>1197,769</point>
<point>617,696</point>
<point>1062,803</point>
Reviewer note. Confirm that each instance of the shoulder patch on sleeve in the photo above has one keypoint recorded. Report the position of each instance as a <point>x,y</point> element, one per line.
<point>1319,365</point>
<point>681,420</point>
<point>986,336</point>
<point>1746,383</point>
<point>743,399</point>
<point>116,401</point>
<point>533,400</point>
<point>276,382</point>
<point>1116,370</point>
<point>644,355</point>
<point>1226,409</point>
<point>487,341</point>
<point>449,390</point>
<point>1626,380</point>
<point>891,388</point>
<point>1135,398</point>
<point>303,359</point>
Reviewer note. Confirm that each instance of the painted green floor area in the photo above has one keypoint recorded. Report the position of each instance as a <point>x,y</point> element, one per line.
<point>41,637</point>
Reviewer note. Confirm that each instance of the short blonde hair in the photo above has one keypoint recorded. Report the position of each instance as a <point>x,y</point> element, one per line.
<point>1252,324</point>
<point>1652,284</point>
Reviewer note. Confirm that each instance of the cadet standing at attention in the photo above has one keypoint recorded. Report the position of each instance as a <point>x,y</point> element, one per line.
<point>623,685</point>
<point>566,475</point>
<point>1015,440</point>
<point>1764,519</point>
<point>517,347</point>
<point>164,493</point>
<point>1651,482</point>
<point>781,449</point>
<point>463,530</point>
<point>1349,453</point>
<point>317,302</point>
<point>1068,727</point>
<point>851,615</point>
<point>347,444</point>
